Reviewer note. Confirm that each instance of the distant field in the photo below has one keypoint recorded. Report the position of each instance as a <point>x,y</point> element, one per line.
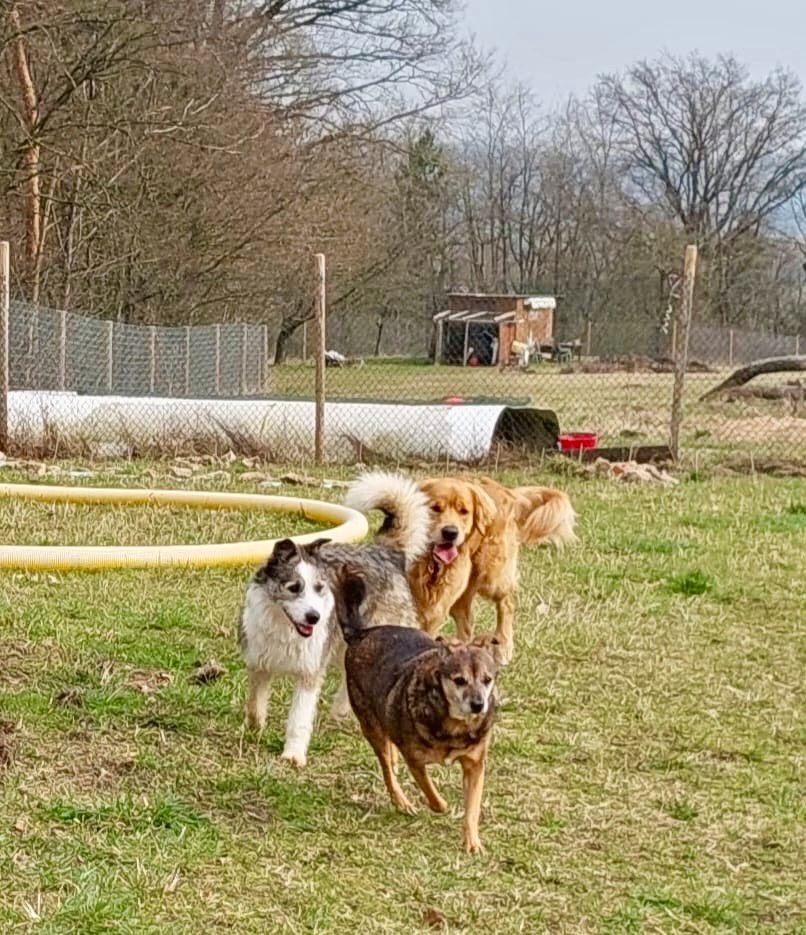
<point>646,775</point>
<point>623,408</point>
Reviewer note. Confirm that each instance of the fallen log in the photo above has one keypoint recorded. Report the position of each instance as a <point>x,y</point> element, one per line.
<point>779,391</point>
<point>756,368</point>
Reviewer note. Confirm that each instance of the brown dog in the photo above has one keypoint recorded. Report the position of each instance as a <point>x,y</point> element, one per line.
<point>477,528</point>
<point>434,701</point>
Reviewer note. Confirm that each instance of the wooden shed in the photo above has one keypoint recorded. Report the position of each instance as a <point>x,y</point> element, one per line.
<point>479,328</point>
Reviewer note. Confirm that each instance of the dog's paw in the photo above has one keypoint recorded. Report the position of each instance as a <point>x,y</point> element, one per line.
<point>404,805</point>
<point>254,723</point>
<point>295,758</point>
<point>440,806</point>
<point>473,844</point>
<point>502,652</point>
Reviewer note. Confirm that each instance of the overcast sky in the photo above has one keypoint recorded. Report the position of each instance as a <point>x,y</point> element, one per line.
<point>558,48</point>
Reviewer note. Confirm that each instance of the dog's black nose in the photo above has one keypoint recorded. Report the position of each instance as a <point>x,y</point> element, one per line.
<point>476,706</point>
<point>312,616</point>
<point>450,533</point>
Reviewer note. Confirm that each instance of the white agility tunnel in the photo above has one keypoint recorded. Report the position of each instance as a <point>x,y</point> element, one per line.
<point>467,432</point>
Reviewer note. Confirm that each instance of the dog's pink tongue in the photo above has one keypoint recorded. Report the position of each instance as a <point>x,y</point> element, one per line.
<point>446,553</point>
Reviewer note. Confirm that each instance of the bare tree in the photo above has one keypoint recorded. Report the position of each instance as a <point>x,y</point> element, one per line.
<point>722,152</point>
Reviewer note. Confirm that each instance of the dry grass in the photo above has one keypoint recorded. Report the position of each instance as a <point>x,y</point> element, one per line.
<point>646,775</point>
<point>622,407</point>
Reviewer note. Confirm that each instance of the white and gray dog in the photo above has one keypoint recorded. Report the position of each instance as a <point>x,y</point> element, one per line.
<point>288,625</point>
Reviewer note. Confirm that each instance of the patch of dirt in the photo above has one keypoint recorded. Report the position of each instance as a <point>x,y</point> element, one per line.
<point>774,467</point>
<point>148,682</point>
<point>634,363</point>
<point>763,429</point>
<point>85,760</point>
<point>208,672</point>
<point>8,744</point>
<point>21,660</point>
<point>69,698</point>
<point>435,919</point>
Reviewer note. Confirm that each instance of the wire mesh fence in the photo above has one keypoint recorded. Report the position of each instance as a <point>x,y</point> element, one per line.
<point>488,380</point>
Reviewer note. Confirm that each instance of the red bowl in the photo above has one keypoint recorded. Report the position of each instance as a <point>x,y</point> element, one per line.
<point>577,441</point>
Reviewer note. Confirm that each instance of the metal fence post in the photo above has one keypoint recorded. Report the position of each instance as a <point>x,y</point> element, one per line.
<point>4,314</point>
<point>187,360</point>
<point>264,376</point>
<point>681,358</point>
<point>244,338</point>
<point>218,360</point>
<point>152,373</point>
<point>62,349</point>
<point>110,354</point>
<point>321,338</point>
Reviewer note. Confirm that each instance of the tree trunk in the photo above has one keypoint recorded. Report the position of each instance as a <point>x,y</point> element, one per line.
<point>379,335</point>
<point>287,330</point>
<point>745,374</point>
<point>31,153</point>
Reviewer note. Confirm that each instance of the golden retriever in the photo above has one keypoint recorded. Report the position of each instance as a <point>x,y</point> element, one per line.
<point>477,528</point>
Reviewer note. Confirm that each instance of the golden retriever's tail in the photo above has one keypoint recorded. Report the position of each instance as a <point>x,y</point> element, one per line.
<point>407,518</point>
<point>545,516</point>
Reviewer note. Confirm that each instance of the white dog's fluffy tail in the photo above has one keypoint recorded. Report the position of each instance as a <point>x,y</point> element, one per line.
<point>546,517</point>
<point>407,520</point>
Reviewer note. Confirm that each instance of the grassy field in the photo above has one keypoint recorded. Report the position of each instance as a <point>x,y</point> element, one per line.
<point>646,774</point>
<point>623,408</point>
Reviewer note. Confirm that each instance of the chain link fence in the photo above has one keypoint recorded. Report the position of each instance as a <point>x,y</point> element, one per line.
<point>469,386</point>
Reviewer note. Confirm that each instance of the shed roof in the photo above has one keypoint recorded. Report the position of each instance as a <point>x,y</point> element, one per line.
<point>530,300</point>
<point>476,317</point>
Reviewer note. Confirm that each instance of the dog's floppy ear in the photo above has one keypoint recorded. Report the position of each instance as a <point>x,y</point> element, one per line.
<point>350,594</point>
<point>354,589</point>
<point>312,548</point>
<point>490,643</point>
<point>448,643</point>
<point>484,508</point>
<point>283,552</point>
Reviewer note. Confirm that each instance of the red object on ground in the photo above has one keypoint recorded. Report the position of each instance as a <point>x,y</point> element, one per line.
<point>453,400</point>
<point>577,441</point>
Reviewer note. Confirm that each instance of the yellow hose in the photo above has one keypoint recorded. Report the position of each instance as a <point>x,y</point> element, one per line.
<point>352,527</point>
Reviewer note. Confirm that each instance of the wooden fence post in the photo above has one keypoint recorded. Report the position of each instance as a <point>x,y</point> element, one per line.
<point>321,339</point>
<point>5,303</point>
<point>684,313</point>
<point>797,344</point>
<point>730,347</point>
<point>62,349</point>
<point>110,354</point>
<point>588,336</point>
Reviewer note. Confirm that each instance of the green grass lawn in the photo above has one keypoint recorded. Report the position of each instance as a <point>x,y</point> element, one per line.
<point>646,774</point>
